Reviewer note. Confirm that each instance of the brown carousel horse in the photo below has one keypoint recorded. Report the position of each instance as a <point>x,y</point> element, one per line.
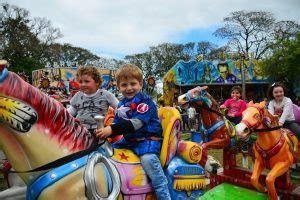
<point>274,148</point>
<point>216,127</point>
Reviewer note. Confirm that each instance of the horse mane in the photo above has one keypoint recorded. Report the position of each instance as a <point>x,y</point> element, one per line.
<point>52,115</point>
<point>269,119</point>
<point>209,101</point>
<point>273,118</point>
<point>215,105</point>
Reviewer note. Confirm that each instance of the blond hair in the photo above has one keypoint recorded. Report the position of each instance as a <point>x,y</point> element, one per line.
<point>92,72</point>
<point>128,71</point>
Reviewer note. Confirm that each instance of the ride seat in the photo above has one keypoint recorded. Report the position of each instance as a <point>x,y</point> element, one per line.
<point>296,111</point>
<point>134,179</point>
<point>170,121</point>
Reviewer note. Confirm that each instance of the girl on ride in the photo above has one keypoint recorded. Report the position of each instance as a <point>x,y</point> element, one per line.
<point>91,100</point>
<point>235,105</point>
<point>137,119</point>
<point>282,106</point>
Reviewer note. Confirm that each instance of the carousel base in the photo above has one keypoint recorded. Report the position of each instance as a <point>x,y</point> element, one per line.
<point>231,191</point>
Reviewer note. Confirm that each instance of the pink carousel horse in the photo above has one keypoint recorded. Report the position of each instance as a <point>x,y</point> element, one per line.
<point>274,148</point>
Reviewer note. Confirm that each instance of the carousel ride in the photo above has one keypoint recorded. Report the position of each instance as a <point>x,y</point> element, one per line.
<point>74,165</point>
<point>57,157</point>
<point>275,149</point>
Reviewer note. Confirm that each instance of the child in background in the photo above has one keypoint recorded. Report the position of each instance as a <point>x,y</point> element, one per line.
<point>185,118</point>
<point>235,105</point>
<point>91,100</point>
<point>137,120</point>
<point>282,106</point>
<point>192,117</point>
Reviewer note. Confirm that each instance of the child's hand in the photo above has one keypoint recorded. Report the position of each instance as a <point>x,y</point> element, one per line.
<point>230,115</point>
<point>222,106</point>
<point>103,133</point>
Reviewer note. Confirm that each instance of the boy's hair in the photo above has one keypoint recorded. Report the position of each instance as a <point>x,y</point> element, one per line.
<point>274,85</point>
<point>128,71</point>
<point>92,72</point>
<point>238,88</point>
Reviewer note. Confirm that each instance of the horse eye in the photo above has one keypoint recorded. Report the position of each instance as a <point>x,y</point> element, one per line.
<point>256,116</point>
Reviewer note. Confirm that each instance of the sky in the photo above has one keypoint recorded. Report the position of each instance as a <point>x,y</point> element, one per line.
<point>116,28</point>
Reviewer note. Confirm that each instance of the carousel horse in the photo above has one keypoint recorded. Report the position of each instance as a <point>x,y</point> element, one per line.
<point>217,129</point>
<point>274,149</point>
<point>58,158</point>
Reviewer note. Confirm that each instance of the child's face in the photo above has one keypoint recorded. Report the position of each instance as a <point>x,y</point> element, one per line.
<point>129,87</point>
<point>278,93</point>
<point>235,94</point>
<point>87,84</point>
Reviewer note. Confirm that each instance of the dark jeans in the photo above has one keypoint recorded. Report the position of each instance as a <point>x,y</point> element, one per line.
<point>185,123</point>
<point>235,120</point>
<point>293,126</point>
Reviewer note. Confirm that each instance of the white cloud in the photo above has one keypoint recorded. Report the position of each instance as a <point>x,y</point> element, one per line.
<point>131,26</point>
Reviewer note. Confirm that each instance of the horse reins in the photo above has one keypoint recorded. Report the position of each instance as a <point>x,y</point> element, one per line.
<point>266,129</point>
<point>59,162</point>
<point>253,128</point>
<point>212,110</point>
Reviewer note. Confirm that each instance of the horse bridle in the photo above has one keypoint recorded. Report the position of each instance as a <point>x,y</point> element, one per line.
<point>59,162</point>
<point>253,128</point>
<point>227,123</point>
<point>212,110</point>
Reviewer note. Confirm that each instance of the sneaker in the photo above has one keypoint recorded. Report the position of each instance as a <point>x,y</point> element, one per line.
<point>244,148</point>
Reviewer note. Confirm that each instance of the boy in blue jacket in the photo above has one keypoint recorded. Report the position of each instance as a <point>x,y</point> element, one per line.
<point>137,120</point>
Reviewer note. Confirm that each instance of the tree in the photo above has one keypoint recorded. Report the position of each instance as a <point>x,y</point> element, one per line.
<point>143,61</point>
<point>23,40</point>
<point>254,31</point>
<point>284,64</point>
<point>66,54</point>
<point>205,47</point>
<point>166,55</point>
<point>162,57</point>
<point>218,53</point>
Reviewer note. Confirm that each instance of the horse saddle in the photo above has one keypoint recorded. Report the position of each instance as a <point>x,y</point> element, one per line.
<point>133,177</point>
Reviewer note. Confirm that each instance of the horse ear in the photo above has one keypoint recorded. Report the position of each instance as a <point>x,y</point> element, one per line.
<point>267,121</point>
<point>262,104</point>
<point>250,103</point>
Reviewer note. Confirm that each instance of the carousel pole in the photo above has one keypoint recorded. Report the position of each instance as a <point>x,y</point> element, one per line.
<point>243,77</point>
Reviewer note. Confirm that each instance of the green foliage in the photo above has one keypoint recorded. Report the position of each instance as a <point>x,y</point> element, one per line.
<point>255,32</point>
<point>27,65</point>
<point>66,53</point>
<point>29,43</point>
<point>284,64</point>
<point>161,58</point>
